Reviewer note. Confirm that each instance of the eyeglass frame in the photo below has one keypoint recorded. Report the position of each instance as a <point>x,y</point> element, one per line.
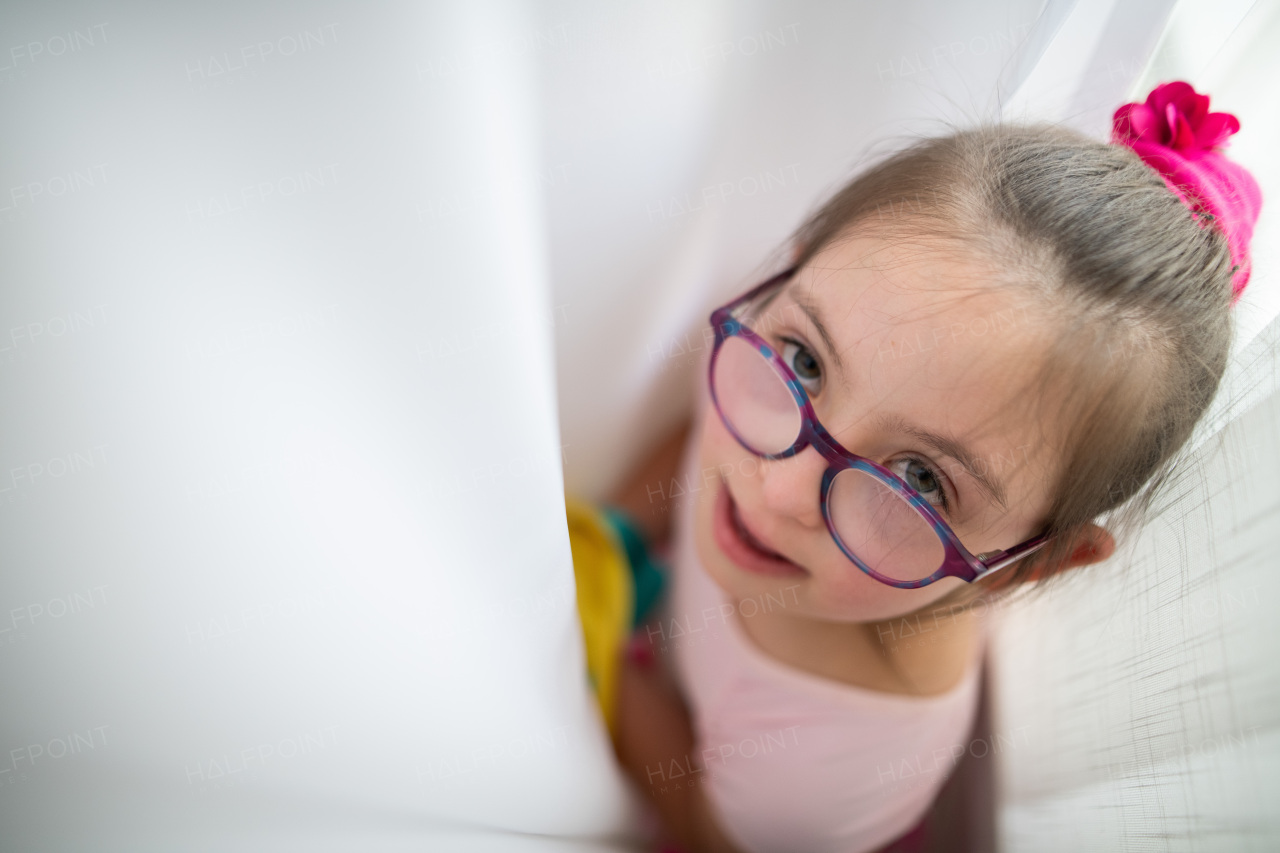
<point>957,562</point>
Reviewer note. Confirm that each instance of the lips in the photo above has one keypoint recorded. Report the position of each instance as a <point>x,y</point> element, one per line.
<point>741,547</point>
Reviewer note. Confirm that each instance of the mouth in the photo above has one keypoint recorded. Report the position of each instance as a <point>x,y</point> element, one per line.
<point>743,548</point>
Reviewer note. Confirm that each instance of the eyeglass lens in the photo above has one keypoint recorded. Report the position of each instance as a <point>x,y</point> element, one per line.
<point>871,520</point>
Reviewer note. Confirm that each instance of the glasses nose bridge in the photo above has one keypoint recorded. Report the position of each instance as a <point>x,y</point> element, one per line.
<point>813,433</point>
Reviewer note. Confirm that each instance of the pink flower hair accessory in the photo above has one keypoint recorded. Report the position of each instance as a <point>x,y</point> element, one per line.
<point>1174,133</point>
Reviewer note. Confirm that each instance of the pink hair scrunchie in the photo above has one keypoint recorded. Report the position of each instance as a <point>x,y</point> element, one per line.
<point>1174,133</point>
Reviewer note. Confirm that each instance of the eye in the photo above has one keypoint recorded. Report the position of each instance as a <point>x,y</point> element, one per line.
<point>917,474</point>
<point>803,363</point>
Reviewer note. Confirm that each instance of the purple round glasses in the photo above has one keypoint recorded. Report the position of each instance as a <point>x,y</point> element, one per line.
<point>879,521</point>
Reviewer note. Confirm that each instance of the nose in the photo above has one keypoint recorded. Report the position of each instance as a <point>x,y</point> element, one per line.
<point>790,487</point>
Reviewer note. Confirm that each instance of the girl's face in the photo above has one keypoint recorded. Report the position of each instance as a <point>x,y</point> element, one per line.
<point>913,358</point>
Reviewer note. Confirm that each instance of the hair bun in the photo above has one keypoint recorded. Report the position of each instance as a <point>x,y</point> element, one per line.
<point>1174,133</point>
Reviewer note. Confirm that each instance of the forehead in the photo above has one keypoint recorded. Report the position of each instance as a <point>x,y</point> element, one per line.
<point>925,331</point>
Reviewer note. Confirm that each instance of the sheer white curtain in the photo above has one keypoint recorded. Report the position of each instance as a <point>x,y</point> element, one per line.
<point>284,552</point>
<point>291,296</point>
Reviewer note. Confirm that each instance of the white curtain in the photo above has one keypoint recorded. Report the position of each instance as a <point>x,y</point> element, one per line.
<point>285,562</point>
<point>312,311</point>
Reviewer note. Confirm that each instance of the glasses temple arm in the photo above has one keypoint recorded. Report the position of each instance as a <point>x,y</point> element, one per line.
<point>1003,559</point>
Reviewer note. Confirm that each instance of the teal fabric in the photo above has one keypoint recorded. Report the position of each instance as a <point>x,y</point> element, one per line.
<point>648,574</point>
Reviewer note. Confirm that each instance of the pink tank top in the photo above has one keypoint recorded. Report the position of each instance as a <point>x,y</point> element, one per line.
<point>790,760</point>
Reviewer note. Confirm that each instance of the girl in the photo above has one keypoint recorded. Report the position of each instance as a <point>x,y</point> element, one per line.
<point>981,345</point>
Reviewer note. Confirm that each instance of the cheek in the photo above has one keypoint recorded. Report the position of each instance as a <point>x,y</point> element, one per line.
<point>721,457</point>
<point>844,593</point>
<point>713,457</point>
<point>708,552</point>
<point>718,444</point>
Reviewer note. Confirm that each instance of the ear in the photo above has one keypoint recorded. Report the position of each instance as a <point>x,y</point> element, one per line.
<point>1092,544</point>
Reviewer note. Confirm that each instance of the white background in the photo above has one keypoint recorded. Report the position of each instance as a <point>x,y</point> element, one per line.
<point>310,312</point>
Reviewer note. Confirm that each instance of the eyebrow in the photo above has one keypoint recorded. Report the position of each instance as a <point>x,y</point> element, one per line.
<point>811,311</point>
<point>950,447</point>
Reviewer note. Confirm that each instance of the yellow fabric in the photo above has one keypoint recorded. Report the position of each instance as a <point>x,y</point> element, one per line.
<point>605,604</point>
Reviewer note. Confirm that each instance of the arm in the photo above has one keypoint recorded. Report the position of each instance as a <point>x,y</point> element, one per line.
<point>645,494</point>
<point>654,730</point>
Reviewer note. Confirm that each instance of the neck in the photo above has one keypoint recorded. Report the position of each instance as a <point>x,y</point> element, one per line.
<point>921,653</point>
